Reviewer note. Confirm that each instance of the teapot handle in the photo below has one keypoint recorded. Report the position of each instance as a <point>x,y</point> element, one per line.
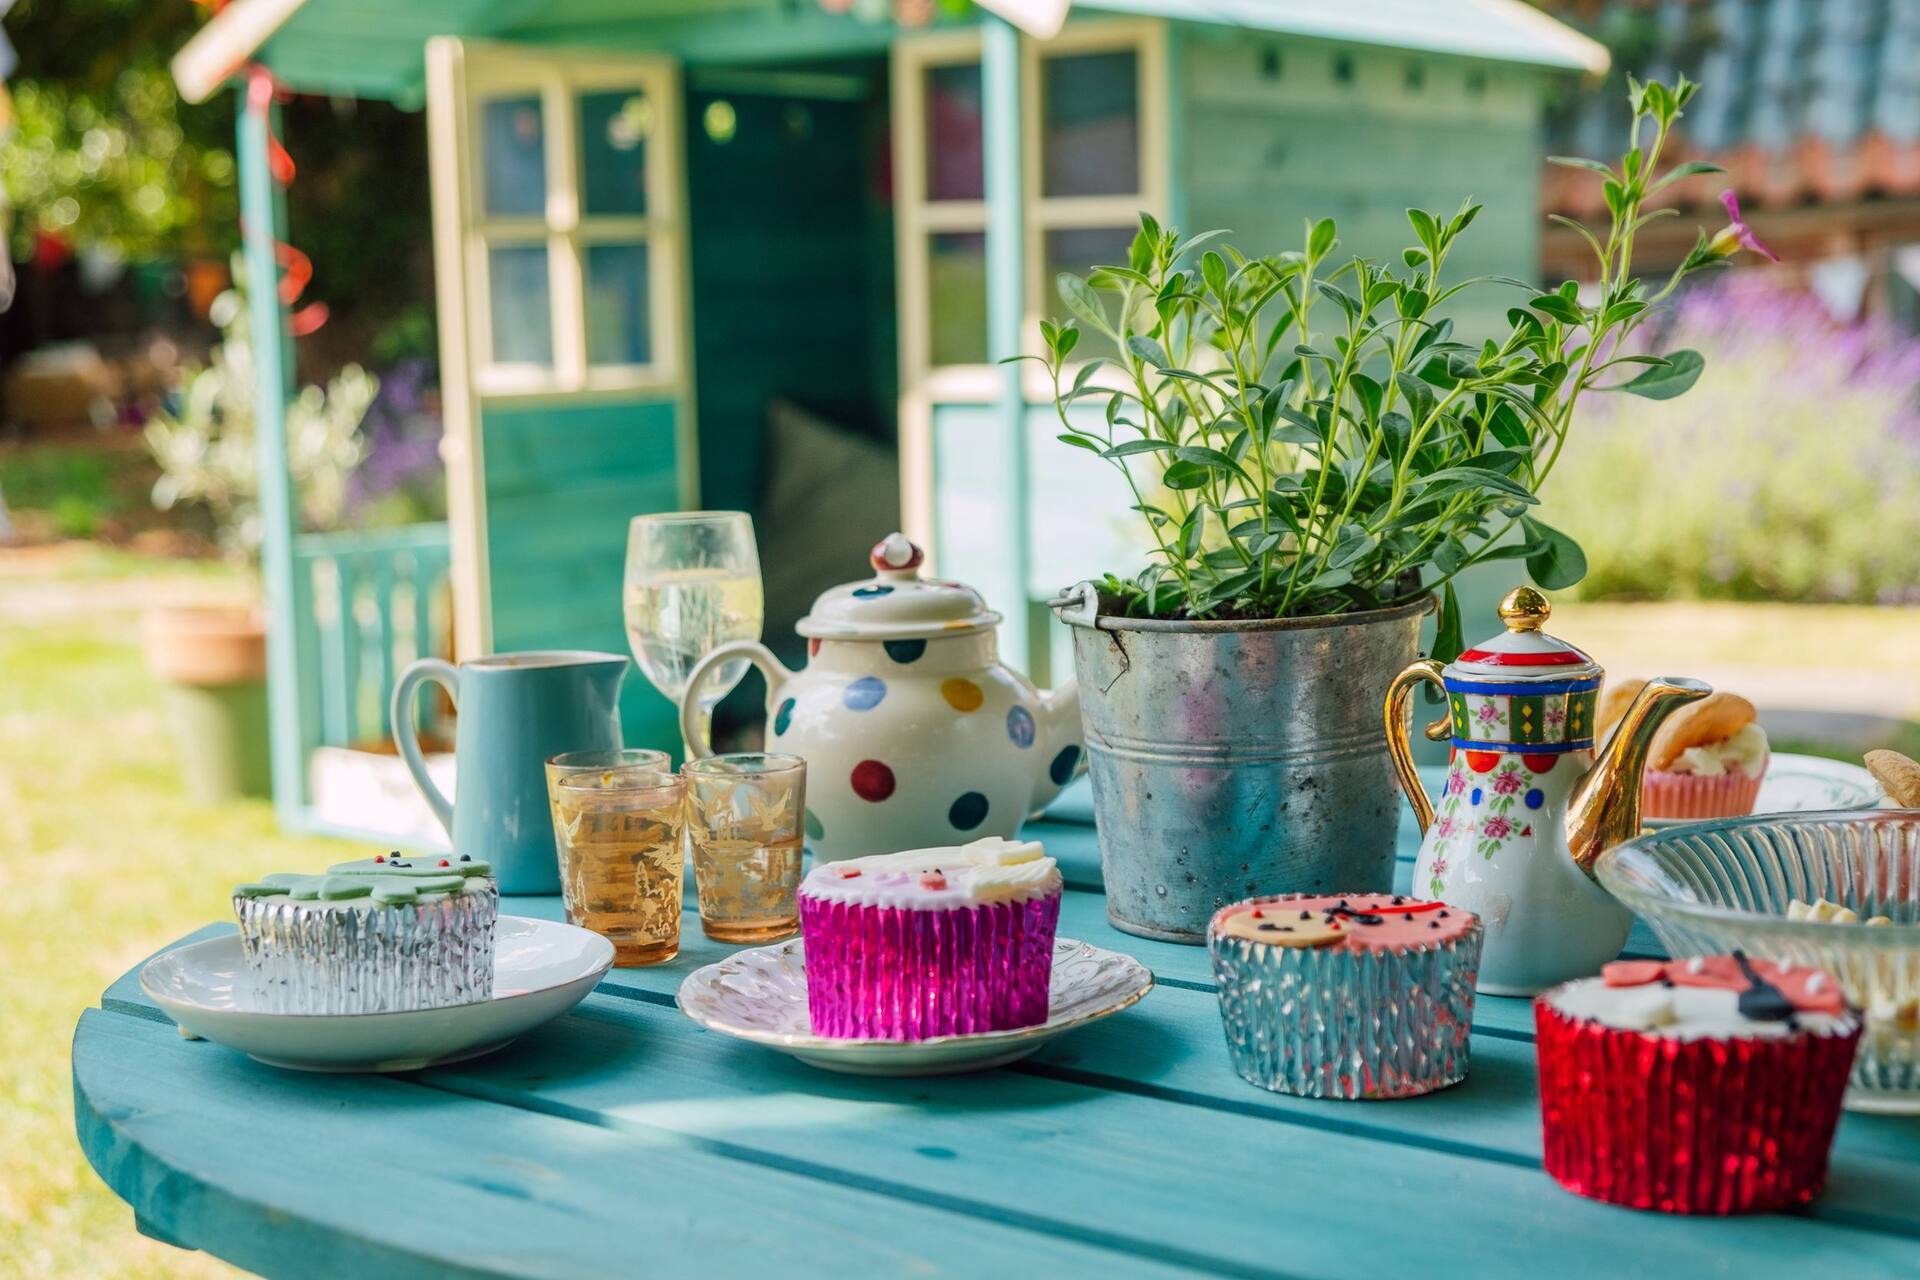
<point>698,737</point>
<point>1399,725</point>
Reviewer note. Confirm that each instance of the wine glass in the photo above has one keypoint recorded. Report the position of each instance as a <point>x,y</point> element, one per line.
<point>693,584</point>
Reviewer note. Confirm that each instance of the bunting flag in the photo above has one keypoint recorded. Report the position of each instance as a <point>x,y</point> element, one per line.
<point>296,267</point>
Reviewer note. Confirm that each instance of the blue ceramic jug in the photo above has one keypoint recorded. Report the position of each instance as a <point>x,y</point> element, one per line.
<point>514,710</point>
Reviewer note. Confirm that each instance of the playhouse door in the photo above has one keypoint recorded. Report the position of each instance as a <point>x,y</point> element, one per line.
<point>559,215</point>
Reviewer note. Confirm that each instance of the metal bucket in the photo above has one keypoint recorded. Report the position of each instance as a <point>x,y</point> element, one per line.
<point>1232,759</point>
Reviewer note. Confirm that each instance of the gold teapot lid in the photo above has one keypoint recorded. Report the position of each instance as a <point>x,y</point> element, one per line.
<point>1524,652</point>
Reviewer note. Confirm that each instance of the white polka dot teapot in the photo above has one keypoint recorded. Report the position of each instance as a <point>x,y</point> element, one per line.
<point>913,731</point>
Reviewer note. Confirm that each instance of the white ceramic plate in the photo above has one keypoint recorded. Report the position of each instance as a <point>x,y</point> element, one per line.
<point>1805,784</point>
<point>541,968</point>
<point>761,995</point>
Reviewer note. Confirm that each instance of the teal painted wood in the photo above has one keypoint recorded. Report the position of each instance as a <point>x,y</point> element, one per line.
<point>562,483</point>
<point>791,253</point>
<point>1283,130</point>
<point>369,605</point>
<point>1002,149</point>
<point>1130,1144</point>
<point>263,220</point>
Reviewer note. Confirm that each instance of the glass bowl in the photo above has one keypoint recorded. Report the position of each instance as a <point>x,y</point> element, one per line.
<point>1708,888</point>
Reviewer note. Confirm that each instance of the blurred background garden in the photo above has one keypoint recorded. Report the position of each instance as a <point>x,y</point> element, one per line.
<point>1762,531</point>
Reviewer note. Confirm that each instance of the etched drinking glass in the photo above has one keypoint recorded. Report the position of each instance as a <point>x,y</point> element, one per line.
<point>619,835</point>
<point>568,763</point>
<point>743,819</point>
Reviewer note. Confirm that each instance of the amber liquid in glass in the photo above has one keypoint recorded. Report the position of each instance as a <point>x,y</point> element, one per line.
<point>620,872</point>
<point>747,886</point>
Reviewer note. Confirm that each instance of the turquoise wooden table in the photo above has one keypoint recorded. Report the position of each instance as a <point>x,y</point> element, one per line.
<point>624,1140</point>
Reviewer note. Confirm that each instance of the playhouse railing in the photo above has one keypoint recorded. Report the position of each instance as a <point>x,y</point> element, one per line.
<point>370,602</point>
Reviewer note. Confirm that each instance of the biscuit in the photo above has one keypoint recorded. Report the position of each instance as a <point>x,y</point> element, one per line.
<point>1714,718</point>
<point>1898,774</point>
<point>1615,698</point>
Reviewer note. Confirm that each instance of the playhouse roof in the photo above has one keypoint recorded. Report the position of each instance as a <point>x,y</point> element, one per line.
<point>373,48</point>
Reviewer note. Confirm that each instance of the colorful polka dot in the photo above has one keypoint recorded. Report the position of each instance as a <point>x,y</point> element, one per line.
<point>1475,797</point>
<point>968,812</point>
<point>962,695</point>
<point>1062,767</point>
<point>1482,761</point>
<point>1020,726</point>
<point>1536,798</point>
<point>1540,762</point>
<point>783,717</point>
<point>904,651</point>
<point>812,825</point>
<point>872,781</point>
<point>868,593</point>
<point>865,693</point>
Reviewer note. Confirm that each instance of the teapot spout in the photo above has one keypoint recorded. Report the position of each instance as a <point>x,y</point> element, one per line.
<point>1605,806</point>
<point>1060,729</point>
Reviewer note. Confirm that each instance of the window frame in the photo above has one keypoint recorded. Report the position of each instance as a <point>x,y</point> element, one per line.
<point>566,230</point>
<point>918,218</point>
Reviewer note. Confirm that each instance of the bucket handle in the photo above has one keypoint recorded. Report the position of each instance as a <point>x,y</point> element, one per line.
<point>1399,726</point>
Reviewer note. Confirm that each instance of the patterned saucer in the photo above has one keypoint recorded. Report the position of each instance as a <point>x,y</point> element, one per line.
<point>761,995</point>
<point>1804,784</point>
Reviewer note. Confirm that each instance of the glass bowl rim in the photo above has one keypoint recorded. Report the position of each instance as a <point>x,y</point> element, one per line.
<point>1889,937</point>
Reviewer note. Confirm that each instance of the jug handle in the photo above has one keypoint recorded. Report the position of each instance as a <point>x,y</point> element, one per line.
<point>1399,725</point>
<point>699,737</point>
<point>406,733</point>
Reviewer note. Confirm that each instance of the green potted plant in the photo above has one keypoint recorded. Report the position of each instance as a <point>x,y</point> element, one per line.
<point>213,659</point>
<point>1317,454</point>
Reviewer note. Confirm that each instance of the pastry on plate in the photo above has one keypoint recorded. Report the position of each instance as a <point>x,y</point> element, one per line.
<point>930,942</point>
<point>1362,995</point>
<point>1707,760</point>
<point>377,935</point>
<point>1709,1085</point>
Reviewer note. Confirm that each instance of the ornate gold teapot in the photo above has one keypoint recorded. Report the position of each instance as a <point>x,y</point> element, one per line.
<point>1527,805</point>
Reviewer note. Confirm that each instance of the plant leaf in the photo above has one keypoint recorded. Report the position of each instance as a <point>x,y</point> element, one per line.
<point>1555,561</point>
<point>1080,442</point>
<point>1664,382</point>
<point>1081,299</point>
<point>1449,642</point>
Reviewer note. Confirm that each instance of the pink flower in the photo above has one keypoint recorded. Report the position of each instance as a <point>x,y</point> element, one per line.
<point>1456,783</point>
<point>1496,828</point>
<point>1487,714</point>
<point>1737,234</point>
<point>1439,867</point>
<point>1445,827</point>
<point>1506,782</point>
<point>1556,716</point>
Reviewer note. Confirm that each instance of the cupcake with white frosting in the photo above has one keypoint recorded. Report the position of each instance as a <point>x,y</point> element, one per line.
<point>1709,1085</point>
<point>930,942</point>
<point>377,935</point>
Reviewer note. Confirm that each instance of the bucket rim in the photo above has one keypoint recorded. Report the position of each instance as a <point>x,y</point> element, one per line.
<point>1366,617</point>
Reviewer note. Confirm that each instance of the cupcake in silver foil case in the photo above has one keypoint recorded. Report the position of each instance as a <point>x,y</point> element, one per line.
<point>1346,996</point>
<point>325,945</point>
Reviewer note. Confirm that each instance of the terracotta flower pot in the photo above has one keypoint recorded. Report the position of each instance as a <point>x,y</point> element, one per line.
<point>214,663</point>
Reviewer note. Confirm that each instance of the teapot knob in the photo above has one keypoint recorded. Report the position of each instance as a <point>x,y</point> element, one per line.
<point>1525,609</point>
<point>895,554</point>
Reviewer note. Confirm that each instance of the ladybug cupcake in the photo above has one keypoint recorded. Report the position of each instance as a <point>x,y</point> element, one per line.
<point>1358,996</point>
<point>1710,1085</point>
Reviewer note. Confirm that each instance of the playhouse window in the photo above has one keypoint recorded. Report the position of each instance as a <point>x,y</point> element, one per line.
<point>1088,173</point>
<point>572,252</point>
<point>1090,113</point>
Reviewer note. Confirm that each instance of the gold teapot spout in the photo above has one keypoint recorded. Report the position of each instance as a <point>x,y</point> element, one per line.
<point>1605,806</point>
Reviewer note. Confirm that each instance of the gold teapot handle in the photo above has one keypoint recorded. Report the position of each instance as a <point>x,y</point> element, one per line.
<point>1400,722</point>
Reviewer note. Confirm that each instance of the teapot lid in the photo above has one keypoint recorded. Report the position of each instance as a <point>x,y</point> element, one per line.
<point>896,603</point>
<point>1523,653</point>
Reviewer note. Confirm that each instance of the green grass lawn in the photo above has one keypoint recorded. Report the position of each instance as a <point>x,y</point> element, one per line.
<point>103,860</point>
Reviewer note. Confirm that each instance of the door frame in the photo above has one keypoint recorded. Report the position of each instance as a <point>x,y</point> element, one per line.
<point>458,71</point>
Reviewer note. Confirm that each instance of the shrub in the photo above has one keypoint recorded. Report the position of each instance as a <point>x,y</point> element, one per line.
<point>1791,472</point>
